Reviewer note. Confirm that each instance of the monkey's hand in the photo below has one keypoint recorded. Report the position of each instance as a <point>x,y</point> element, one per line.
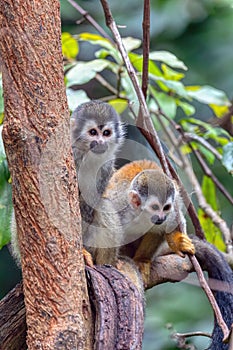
<point>180,243</point>
<point>87,258</point>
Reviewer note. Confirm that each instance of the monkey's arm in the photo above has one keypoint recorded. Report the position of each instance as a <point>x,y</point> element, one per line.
<point>178,242</point>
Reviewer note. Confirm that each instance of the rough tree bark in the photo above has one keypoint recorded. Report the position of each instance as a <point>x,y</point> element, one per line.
<point>37,143</point>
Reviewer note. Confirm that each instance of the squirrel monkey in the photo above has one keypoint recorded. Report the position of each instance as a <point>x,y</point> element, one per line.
<point>145,202</point>
<point>96,135</point>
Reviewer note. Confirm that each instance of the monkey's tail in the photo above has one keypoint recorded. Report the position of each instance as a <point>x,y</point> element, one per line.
<point>221,282</point>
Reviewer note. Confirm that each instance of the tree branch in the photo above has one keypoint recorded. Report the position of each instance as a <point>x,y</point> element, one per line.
<point>90,19</point>
<point>146,45</point>
<point>36,136</point>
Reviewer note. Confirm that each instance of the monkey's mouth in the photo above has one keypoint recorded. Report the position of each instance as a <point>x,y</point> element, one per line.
<point>156,220</point>
<point>98,148</point>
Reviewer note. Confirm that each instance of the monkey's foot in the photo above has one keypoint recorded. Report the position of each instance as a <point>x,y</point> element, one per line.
<point>180,243</point>
<point>144,268</point>
<point>87,258</point>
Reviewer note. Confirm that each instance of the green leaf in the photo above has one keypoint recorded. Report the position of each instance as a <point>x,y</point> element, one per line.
<point>171,74</point>
<point>5,197</point>
<point>83,72</point>
<point>76,97</point>
<point>218,134</point>
<point>169,58</point>
<point>206,153</point>
<point>212,233</point>
<point>208,95</point>
<point>137,62</point>
<point>96,39</point>
<point>69,45</point>
<point>192,125</point>
<point>167,103</point>
<point>119,104</point>
<point>174,86</point>
<point>227,158</point>
<point>131,44</point>
<point>187,107</point>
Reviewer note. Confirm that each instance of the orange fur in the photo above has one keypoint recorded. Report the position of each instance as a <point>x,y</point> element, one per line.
<point>129,171</point>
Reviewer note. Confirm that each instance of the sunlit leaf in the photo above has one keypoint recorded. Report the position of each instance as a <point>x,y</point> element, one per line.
<point>110,48</point>
<point>76,97</point>
<point>131,44</point>
<point>137,62</point>
<point>219,111</point>
<point>69,45</point>
<point>119,104</point>
<point>171,74</point>
<point>187,107</point>
<point>5,197</point>
<point>83,72</point>
<point>169,58</point>
<point>186,149</point>
<point>209,95</point>
<point>227,158</point>
<point>96,39</point>
<point>212,233</point>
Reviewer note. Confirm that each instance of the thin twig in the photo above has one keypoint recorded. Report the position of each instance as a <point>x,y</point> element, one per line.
<point>146,45</point>
<point>209,294</point>
<point>106,84</point>
<point>90,19</point>
<point>189,136</point>
<point>193,334</point>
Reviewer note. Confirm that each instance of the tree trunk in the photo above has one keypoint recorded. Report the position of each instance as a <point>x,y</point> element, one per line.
<point>37,142</point>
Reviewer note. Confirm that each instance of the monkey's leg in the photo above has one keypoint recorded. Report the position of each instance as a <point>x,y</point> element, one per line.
<point>107,256</point>
<point>145,252</point>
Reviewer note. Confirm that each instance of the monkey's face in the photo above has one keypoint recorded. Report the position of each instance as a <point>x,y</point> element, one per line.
<point>99,137</point>
<point>96,128</point>
<point>154,194</point>
<point>158,210</point>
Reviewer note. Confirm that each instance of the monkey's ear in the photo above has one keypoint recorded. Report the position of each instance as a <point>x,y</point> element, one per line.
<point>134,199</point>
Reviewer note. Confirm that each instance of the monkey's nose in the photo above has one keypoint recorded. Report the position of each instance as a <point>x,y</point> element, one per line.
<point>158,220</point>
<point>98,147</point>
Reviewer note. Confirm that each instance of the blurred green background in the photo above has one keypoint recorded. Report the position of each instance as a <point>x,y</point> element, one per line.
<point>200,33</point>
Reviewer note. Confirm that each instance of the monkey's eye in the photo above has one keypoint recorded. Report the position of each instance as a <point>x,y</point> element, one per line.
<point>155,207</point>
<point>93,132</point>
<point>107,132</point>
<point>167,207</point>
